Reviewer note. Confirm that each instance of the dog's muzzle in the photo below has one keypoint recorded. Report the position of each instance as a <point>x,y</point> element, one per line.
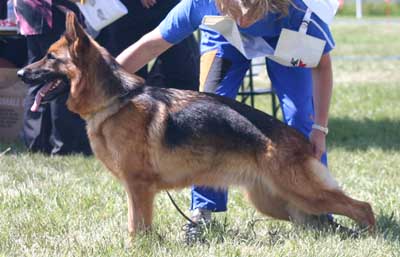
<point>28,77</point>
<point>21,74</point>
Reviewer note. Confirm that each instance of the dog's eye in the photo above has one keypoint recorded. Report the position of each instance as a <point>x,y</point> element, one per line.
<point>50,56</point>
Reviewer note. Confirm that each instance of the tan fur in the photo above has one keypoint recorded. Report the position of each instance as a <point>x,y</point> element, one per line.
<point>283,180</point>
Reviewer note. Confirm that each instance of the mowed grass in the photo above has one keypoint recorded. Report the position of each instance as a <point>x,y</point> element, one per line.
<point>71,206</point>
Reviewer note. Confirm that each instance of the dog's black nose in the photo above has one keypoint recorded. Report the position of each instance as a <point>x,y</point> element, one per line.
<point>21,73</point>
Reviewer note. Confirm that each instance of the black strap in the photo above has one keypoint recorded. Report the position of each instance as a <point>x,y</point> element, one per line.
<point>179,210</point>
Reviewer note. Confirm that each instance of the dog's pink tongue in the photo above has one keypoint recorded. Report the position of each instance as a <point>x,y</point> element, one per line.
<point>39,96</point>
<point>38,100</point>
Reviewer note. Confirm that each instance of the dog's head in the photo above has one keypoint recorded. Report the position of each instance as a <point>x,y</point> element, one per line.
<point>62,69</point>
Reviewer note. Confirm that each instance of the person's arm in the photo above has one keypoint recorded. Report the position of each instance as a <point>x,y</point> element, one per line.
<point>322,92</point>
<point>144,50</point>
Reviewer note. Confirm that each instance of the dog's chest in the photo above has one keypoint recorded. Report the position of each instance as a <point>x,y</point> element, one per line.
<point>119,141</point>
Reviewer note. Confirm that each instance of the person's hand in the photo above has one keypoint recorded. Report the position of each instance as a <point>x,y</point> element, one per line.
<point>318,141</point>
<point>148,3</point>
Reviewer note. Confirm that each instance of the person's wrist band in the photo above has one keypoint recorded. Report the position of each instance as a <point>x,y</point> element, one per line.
<point>325,130</point>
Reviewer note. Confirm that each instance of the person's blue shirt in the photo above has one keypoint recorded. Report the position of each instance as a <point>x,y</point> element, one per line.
<point>186,17</point>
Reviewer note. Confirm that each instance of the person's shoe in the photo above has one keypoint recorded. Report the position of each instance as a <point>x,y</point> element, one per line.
<point>328,222</point>
<point>194,231</point>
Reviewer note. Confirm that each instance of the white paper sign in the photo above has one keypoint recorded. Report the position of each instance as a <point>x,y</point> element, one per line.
<point>294,48</point>
<point>100,13</point>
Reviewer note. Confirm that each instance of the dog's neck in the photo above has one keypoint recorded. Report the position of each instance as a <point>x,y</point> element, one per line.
<point>95,119</point>
<point>111,106</point>
<point>100,108</point>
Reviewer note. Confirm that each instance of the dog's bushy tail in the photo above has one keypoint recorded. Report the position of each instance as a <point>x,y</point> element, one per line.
<point>315,191</point>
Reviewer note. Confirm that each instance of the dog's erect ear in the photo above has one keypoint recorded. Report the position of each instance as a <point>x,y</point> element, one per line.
<point>78,40</point>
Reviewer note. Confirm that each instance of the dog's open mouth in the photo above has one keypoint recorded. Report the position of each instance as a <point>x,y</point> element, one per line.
<point>49,85</point>
<point>48,92</point>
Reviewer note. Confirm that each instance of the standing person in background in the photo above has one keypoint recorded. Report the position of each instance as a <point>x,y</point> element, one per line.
<point>12,48</point>
<point>3,9</point>
<point>304,93</point>
<point>178,67</point>
<point>53,129</point>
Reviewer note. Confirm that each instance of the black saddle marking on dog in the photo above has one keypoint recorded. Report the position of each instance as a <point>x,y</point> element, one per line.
<point>207,122</point>
<point>160,94</point>
<point>263,121</point>
<point>130,93</point>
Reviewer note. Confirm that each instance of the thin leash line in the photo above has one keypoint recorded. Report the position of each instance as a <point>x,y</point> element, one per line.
<point>179,210</point>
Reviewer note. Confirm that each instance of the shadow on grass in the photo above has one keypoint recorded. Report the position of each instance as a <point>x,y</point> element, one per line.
<point>248,234</point>
<point>219,232</point>
<point>364,134</point>
<point>388,227</point>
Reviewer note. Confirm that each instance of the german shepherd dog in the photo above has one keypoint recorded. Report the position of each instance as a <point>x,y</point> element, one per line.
<point>153,139</point>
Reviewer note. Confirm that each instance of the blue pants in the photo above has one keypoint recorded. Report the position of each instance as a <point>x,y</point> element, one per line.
<point>223,73</point>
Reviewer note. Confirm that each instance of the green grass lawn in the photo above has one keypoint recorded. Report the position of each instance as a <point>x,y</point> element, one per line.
<point>71,206</point>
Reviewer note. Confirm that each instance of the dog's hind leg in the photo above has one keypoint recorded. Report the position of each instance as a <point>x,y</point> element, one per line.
<point>311,189</point>
<point>335,201</point>
<point>140,206</point>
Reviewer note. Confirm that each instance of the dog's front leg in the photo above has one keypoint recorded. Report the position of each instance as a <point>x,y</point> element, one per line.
<point>140,206</point>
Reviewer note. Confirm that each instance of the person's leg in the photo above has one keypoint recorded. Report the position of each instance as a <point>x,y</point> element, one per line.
<point>293,87</point>
<point>220,73</point>
<point>222,76</point>
<point>207,198</point>
<point>68,134</point>
<point>36,128</point>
